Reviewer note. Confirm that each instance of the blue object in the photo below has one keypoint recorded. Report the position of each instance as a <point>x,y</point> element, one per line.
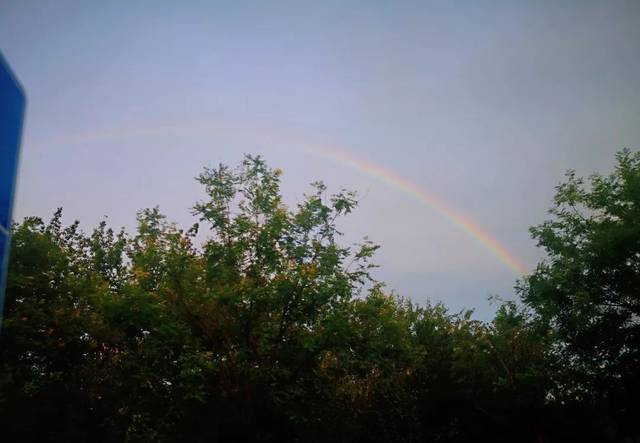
<point>12,104</point>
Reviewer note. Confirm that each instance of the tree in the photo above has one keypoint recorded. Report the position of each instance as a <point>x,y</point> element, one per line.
<point>588,287</point>
<point>269,329</point>
<point>114,337</point>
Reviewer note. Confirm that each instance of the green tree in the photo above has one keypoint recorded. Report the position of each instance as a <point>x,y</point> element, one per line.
<point>257,324</point>
<point>588,287</point>
<point>146,337</point>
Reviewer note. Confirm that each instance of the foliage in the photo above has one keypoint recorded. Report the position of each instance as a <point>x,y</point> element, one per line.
<point>271,330</point>
<point>587,289</point>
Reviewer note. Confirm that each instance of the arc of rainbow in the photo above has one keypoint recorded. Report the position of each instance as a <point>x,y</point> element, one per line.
<point>403,185</point>
<point>363,165</point>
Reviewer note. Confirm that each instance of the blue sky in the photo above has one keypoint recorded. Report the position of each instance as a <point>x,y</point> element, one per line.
<point>484,104</point>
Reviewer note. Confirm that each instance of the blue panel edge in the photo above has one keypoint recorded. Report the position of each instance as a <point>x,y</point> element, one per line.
<point>5,232</point>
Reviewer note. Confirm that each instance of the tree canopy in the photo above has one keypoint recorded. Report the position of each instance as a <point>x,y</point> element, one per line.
<point>588,288</point>
<point>271,329</point>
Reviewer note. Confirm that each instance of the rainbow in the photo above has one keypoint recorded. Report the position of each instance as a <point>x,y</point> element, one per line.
<point>338,155</point>
<point>401,184</point>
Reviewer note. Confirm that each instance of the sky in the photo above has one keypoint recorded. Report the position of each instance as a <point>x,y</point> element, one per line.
<point>479,105</point>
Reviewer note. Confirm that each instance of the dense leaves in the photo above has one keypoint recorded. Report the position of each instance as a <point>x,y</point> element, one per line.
<point>588,290</point>
<point>270,329</point>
